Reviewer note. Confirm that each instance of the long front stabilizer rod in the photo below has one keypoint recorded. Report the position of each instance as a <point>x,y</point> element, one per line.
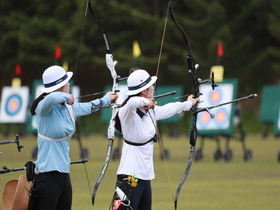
<point>222,104</point>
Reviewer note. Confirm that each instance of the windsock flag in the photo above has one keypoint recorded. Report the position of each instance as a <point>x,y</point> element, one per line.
<point>65,65</point>
<point>57,52</point>
<point>18,70</point>
<point>220,50</point>
<point>136,49</point>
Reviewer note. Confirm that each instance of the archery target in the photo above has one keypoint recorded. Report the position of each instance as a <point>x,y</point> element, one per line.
<point>14,102</point>
<point>37,90</point>
<point>276,126</point>
<point>222,120</point>
<point>278,123</point>
<point>122,94</point>
<point>37,93</point>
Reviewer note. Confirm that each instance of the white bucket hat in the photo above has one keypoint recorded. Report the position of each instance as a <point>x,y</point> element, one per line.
<point>139,80</point>
<point>55,77</point>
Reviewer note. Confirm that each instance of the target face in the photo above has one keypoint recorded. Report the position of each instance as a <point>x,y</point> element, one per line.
<point>204,119</point>
<point>14,103</point>
<point>223,114</point>
<point>215,97</point>
<point>221,117</point>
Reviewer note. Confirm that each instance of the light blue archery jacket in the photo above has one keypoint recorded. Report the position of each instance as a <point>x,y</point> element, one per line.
<point>55,127</point>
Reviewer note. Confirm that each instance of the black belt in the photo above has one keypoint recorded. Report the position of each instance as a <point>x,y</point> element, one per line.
<point>122,177</point>
<point>154,139</point>
<point>137,144</point>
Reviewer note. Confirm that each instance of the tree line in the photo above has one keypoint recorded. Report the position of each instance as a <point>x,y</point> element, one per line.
<point>248,29</point>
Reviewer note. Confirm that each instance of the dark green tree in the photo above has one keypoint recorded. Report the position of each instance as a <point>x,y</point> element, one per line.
<point>248,30</point>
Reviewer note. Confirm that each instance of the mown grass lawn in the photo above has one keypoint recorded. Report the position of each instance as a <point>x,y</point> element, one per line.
<point>211,185</point>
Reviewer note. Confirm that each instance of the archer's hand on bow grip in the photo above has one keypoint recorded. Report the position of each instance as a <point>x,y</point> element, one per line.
<point>113,96</point>
<point>193,100</point>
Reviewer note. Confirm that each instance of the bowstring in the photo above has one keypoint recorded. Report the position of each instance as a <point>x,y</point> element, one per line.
<point>157,130</point>
<point>161,44</point>
<point>80,42</point>
<point>75,71</point>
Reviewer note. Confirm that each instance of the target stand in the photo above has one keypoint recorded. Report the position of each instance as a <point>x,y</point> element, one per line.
<point>225,119</point>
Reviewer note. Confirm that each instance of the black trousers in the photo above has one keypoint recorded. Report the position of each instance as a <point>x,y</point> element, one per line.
<point>141,195</point>
<point>54,191</point>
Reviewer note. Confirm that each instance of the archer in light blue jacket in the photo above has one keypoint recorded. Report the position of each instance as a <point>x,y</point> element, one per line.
<point>55,110</point>
<point>56,125</point>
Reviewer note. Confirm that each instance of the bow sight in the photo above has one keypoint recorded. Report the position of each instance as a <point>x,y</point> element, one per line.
<point>13,141</point>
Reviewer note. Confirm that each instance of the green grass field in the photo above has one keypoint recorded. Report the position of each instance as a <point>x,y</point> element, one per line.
<point>235,185</point>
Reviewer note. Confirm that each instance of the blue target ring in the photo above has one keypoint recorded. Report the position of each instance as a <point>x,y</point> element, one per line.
<point>13,105</point>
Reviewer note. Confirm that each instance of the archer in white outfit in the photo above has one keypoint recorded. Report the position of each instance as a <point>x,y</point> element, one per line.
<point>136,120</point>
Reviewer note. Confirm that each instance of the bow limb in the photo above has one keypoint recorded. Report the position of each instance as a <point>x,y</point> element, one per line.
<point>111,129</point>
<point>193,134</point>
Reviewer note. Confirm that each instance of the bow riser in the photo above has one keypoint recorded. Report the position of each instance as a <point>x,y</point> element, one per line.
<point>111,66</point>
<point>111,129</point>
<point>192,70</point>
